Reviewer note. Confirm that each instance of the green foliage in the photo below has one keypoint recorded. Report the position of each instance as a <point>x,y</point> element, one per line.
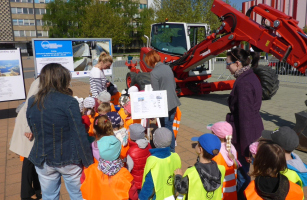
<point>146,19</point>
<point>305,29</point>
<point>64,18</point>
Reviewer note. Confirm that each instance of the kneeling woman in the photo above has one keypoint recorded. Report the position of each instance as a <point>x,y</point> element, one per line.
<point>269,183</point>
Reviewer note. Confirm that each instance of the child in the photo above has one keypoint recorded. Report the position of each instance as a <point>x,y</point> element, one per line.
<point>89,103</point>
<point>137,153</point>
<point>104,108</point>
<point>253,150</point>
<point>227,158</point>
<point>132,89</point>
<point>128,121</point>
<point>158,175</point>
<point>104,97</point>
<point>115,94</point>
<point>123,100</point>
<point>108,179</point>
<point>120,133</point>
<point>287,139</point>
<point>269,183</point>
<point>205,178</point>
<point>102,127</point>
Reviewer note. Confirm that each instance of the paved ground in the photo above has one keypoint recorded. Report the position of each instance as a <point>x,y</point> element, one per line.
<point>197,112</point>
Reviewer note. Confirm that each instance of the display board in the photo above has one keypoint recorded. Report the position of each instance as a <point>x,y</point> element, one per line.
<point>12,85</point>
<point>151,104</point>
<point>78,55</point>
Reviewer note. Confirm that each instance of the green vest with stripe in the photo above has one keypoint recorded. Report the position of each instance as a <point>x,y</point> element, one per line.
<point>162,172</point>
<point>196,189</point>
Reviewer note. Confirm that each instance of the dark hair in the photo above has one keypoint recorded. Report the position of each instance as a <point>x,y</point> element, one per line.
<point>269,160</point>
<point>53,76</point>
<point>241,55</point>
<point>103,126</point>
<point>207,155</point>
<point>71,93</point>
<point>152,57</point>
<point>93,113</point>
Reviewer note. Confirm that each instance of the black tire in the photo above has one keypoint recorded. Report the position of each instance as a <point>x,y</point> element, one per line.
<point>132,76</point>
<point>269,81</point>
<point>141,79</point>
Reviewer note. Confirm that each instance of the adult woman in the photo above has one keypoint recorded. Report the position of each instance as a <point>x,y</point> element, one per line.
<point>61,145</point>
<point>162,78</point>
<point>98,81</point>
<point>21,144</point>
<point>244,103</point>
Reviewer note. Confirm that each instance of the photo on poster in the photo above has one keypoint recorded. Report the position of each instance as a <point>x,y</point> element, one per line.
<point>86,53</point>
<point>9,68</point>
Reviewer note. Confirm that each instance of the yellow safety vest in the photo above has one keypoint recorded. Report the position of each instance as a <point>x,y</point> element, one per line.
<point>162,172</point>
<point>196,189</point>
<point>293,177</point>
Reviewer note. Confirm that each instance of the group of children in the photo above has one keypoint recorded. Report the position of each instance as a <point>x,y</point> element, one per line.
<point>129,166</point>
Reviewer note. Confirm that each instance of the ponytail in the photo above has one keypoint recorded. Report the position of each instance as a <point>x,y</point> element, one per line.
<point>105,57</point>
<point>255,59</point>
<point>243,56</point>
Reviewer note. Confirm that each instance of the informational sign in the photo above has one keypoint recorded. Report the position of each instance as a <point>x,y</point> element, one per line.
<point>12,85</point>
<point>79,56</point>
<point>149,104</point>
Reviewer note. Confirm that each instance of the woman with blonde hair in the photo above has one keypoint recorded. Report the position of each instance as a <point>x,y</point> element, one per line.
<point>98,81</point>
<point>61,146</point>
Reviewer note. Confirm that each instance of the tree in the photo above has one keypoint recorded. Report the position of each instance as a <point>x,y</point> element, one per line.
<point>63,19</point>
<point>101,21</point>
<point>147,18</point>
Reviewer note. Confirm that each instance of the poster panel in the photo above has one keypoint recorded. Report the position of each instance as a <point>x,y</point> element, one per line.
<point>151,104</point>
<point>11,76</point>
<point>77,55</point>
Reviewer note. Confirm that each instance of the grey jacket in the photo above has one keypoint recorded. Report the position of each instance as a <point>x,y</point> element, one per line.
<point>162,78</point>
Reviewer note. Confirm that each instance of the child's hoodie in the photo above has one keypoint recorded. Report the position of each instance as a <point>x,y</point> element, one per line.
<point>297,165</point>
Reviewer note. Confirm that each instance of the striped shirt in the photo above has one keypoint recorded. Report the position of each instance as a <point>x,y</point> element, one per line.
<point>98,81</point>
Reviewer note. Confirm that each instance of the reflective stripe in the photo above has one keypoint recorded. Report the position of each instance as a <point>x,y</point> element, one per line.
<point>229,189</point>
<point>180,196</point>
<point>229,177</point>
<point>170,198</point>
<point>176,122</point>
<point>175,128</point>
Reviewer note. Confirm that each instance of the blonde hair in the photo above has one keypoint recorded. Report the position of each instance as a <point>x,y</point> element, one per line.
<point>104,107</point>
<point>105,57</point>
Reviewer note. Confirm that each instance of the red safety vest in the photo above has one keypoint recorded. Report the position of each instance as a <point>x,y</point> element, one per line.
<point>98,186</point>
<point>139,157</point>
<point>230,179</point>
<point>295,192</point>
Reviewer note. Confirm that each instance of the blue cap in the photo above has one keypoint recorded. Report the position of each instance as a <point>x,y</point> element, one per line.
<point>209,142</point>
<point>109,148</point>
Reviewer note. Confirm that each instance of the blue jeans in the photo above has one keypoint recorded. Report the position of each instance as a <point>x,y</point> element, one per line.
<point>50,180</point>
<point>243,179</point>
<point>167,122</point>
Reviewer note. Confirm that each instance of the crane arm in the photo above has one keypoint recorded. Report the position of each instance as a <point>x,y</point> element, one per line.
<point>283,38</point>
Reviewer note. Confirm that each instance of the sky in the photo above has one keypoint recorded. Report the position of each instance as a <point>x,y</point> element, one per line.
<point>238,2</point>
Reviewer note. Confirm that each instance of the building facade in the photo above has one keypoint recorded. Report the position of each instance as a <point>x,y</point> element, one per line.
<point>21,20</point>
<point>294,8</point>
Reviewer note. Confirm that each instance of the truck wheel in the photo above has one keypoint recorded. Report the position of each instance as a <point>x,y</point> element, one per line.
<point>129,77</point>
<point>141,80</point>
<point>269,81</point>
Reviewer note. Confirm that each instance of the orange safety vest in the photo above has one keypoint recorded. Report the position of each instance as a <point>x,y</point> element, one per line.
<point>176,122</point>
<point>122,114</point>
<point>115,98</point>
<point>112,107</point>
<point>99,186</point>
<point>91,130</point>
<point>128,122</point>
<point>230,179</point>
<point>295,192</point>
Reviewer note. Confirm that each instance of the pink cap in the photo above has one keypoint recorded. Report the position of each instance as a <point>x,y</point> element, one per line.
<point>221,129</point>
<point>127,107</point>
<point>253,147</point>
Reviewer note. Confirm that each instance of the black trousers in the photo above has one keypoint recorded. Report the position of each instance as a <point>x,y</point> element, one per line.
<point>29,180</point>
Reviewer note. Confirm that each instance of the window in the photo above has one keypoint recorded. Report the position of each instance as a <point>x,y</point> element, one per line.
<point>15,22</point>
<point>26,22</point>
<point>32,22</point>
<point>16,33</point>
<point>28,33</point>
<point>36,1</point>
<point>14,10</point>
<point>142,6</point>
<point>43,11</point>
<point>19,10</point>
<point>42,33</point>
<point>30,10</point>
<point>25,10</point>
<point>20,22</point>
<point>40,11</point>
<point>22,33</point>
<point>22,10</point>
<point>38,22</point>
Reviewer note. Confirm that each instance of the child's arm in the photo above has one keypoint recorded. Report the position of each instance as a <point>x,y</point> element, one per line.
<point>147,188</point>
<point>181,183</point>
<point>130,163</point>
